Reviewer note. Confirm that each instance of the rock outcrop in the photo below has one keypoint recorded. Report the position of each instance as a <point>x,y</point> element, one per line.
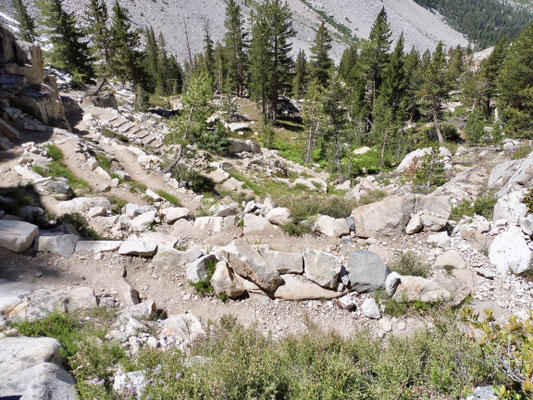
<point>24,89</point>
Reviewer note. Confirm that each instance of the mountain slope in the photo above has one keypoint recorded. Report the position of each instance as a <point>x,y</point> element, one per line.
<point>422,28</point>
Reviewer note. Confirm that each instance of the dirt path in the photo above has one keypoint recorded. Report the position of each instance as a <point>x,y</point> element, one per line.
<point>77,164</point>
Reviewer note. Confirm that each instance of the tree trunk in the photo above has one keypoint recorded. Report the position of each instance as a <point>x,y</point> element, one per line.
<point>437,127</point>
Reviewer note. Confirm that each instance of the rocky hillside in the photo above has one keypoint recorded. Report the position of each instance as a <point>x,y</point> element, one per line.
<point>422,29</point>
<point>129,266</point>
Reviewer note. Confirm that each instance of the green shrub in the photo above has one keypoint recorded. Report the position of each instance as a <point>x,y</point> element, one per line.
<point>218,142</point>
<point>295,228</point>
<point>18,197</point>
<point>268,135</point>
<point>409,264</point>
<point>169,197</point>
<point>203,287</point>
<point>235,363</point>
<point>362,164</point>
<point>508,350</point>
<point>59,325</point>
<point>80,223</point>
<point>528,200</point>
<point>430,174</point>
<point>522,152</point>
<point>194,180</point>
<point>483,206</point>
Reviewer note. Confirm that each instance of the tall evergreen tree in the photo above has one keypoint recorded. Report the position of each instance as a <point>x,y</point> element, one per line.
<point>125,43</point>
<point>220,68</point>
<point>151,60</point>
<point>26,22</point>
<point>163,67</point>
<point>313,118</point>
<point>321,63</point>
<point>69,49</point>
<point>96,17</point>
<point>176,75</point>
<point>301,75</point>
<point>271,63</point>
<point>335,132</point>
<point>375,55</point>
<point>394,80</point>
<point>348,62</point>
<point>209,54</point>
<point>435,89</point>
<point>235,42</point>
<point>516,86</point>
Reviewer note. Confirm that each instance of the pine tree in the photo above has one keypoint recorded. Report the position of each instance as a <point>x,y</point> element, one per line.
<point>490,71</point>
<point>435,89</point>
<point>96,17</point>
<point>163,67</point>
<point>271,63</point>
<point>220,68</point>
<point>235,42</point>
<point>516,86</point>
<point>209,55</point>
<point>375,55</point>
<point>394,80</point>
<point>124,44</point>
<point>347,64</point>
<point>151,60</point>
<point>313,118</point>
<point>456,66</point>
<point>301,75</point>
<point>69,49</point>
<point>321,63</point>
<point>26,23</point>
<point>175,75</point>
<point>335,132</point>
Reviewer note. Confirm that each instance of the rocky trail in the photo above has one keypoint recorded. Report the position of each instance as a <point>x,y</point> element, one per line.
<point>133,241</point>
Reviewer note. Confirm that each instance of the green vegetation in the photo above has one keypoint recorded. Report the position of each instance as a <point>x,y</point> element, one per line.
<point>56,169</point>
<point>203,287</point>
<point>113,135</point>
<point>80,223</point>
<point>16,198</point>
<point>528,200</point>
<point>169,197</point>
<point>396,308</point>
<point>484,22</point>
<point>507,349</point>
<point>430,174</point>
<point>522,152</point>
<point>409,264</point>
<point>483,206</point>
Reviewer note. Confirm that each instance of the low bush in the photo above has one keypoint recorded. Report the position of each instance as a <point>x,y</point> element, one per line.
<point>409,264</point>
<point>508,349</point>
<point>483,206</point>
<point>194,180</point>
<point>203,287</point>
<point>528,200</point>
<point>522,152</point>
<point>15,199</point>
<point>430,174</point>
<point>80,223</point>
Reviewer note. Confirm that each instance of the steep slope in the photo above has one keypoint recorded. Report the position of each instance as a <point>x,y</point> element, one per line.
<point>422,28</point>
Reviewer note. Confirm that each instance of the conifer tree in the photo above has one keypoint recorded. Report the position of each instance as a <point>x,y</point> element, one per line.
<point>96,17</point>
<point>235,42</point>
<point>151,60</point>
<point>69,49</point>
<point>220,68</point>
<point>124,44</point>
<point>271,63</point>
<point>394,80</point>
<point>516,86</point>
<point>163,67</point>
<point>347,63</point>
<point>301,75</point>
<point>321,63</point>
<point>313,118</point>
<point>375,54</point>
<point>209,54</point>
<point>435,89</point>
<point>175,75</point>
<point>26,23</point>
<point>490,71</point>
<point>335,133</point>
<point>456,66</point>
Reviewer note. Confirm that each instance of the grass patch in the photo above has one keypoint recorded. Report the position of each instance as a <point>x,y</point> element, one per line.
<point>117,203</point>
<point>396,308</point>
<point>56,169</point>
<point>483,206</point>
<point>113,135</point>
<point>409,264</point>
<point>18,197</point>
<point>169,197</point>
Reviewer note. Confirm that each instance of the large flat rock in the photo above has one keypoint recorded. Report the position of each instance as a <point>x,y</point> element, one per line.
<point>17,236</point>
